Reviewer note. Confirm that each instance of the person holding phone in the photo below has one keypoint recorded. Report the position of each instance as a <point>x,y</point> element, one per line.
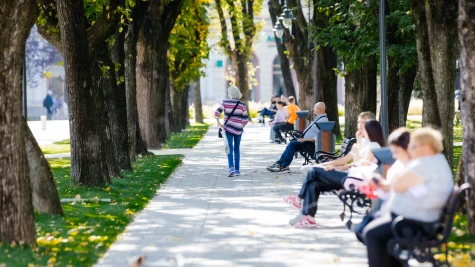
<point>419,193</point>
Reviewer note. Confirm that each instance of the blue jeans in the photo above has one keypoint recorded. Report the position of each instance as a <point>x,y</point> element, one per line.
<point>290,150</point>
<point>234,155</point>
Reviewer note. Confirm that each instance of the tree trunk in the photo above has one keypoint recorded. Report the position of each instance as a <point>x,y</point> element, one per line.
<point>435,25</point>
<point>176,95</point>
<point>130,50</point>
<point>88,165</point>
<point>393,94</point>
<point>16,209</point>
<point>172,124</point>
<point>354,100</point>
<point>466,28</point>
<point>197,102</point>
<point>140,146</point>
<point>369,72</point>
<point>406,86</point>
<point>43,188</point>
<point>430,114</point>
<point>326,85</point>
<point>152,79</point>
<point>103,82</point>
<point>121,136</point>
<point>185,108</point>
<point>242,80</point>
<point>442,22</point>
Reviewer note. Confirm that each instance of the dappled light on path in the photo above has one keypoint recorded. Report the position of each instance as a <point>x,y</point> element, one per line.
<point>212,220</point>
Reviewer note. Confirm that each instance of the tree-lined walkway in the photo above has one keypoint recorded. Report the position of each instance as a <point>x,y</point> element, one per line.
<point>212,220</point>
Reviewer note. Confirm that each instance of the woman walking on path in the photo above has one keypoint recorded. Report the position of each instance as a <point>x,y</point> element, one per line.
<point>235,118</point>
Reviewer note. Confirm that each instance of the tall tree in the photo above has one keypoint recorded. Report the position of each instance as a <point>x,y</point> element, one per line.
<point>153,71</point>
<point>135,142</point>
<point>466,30</point>
<point>16,209</point>
<point>435,23</point>
<point>351,30</point>
<point>93,156</point>
<point>197,102</point>
<point>188,49</point>
<point>282,50</point>
<point>243,27</point>
<point>301,47</point>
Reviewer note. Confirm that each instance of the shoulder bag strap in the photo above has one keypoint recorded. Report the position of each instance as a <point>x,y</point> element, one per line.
<point>232,112</point>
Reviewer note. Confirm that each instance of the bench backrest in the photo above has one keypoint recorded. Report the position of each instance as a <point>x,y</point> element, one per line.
<point>346,146</point>
<point>447,218</point>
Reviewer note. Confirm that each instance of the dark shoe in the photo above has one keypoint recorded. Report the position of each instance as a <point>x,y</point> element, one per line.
<point>279,169</point>
<point>275,165</point>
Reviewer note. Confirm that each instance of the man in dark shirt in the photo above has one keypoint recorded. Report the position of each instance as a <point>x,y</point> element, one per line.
<point>48,104</point>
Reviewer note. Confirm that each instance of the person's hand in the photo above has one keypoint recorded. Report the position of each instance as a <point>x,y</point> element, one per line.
<point>329,168</point>
<point>359,134</point>
<point>301,140</point>
<point>221,125</point>
<point>375,182</point>
<point>270,123</point>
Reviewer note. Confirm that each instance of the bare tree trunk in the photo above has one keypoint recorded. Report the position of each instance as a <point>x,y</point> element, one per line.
<point>16,209</point>
<point>197,102</point>
<point>406,86</point>
<point>103,82</point>
<point>466,28</point>
<point>354,101</point>
<point>88,165</point>
<point>130,50</point>
<point>185,108</point>
<point>176,95</point>
<point>369,71</point>
<point>43,187</point>
<point>326,84</point>
<point>121,144</point>
<point>435,24</point>
<point>393,94</point>
<point>172,125</point>
<point>242,79</point>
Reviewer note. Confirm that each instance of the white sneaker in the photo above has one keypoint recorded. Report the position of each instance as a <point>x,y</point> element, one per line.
<point>297,219</point>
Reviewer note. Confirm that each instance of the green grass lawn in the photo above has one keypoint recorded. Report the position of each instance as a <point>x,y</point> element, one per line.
<point>185,139</point>
<point>188,138</point>
<point>57,147</point>
<point>88,228</point>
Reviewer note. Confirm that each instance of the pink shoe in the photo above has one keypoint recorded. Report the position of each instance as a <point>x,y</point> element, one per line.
<point>292,201</point>
<point>306,222</point>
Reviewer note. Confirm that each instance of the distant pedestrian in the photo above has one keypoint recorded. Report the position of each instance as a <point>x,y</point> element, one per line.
<point>48,104</point>
<point>235,118</point>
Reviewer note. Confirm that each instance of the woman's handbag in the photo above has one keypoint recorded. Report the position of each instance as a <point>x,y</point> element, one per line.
<point>220,131</point>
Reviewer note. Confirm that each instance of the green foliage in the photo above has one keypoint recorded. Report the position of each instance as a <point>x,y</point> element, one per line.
<point>188,43</point>
<point>353,30</point>
<point>88,228</point>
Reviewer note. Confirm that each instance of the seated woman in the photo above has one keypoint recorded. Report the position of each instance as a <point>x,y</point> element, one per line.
<point>331,176</point>
<point>420,193</point>
<point>280,118</point>
<point>398,142</point>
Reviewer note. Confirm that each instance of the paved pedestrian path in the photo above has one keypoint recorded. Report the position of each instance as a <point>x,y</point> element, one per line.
<point>204,218</point>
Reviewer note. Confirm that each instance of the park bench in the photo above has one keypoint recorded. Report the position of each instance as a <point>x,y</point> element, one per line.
<point>323,156</point>
<point>420,240</point>
<point>352,198</point>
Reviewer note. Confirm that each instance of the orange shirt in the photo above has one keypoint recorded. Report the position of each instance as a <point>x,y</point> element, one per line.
<point>292,111</point>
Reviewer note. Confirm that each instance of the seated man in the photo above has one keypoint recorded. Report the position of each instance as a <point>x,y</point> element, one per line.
<point>296,145</point>
<point>289,124</point>
<point>280,118</point>
<point>269,112</point>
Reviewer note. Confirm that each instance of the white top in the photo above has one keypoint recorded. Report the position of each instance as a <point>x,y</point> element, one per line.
<point>280,116</point>
<point>425,202</point>
<point>365,148</point>
<point>396,170</point>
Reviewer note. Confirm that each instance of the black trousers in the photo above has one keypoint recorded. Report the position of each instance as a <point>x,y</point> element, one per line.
<point>376,236</point>
<point>318,180</point>
<point>278,128</point>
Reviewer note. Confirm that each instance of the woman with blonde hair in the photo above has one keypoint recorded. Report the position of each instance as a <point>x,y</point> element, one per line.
<point>419,193</point>
<point>235,118</point>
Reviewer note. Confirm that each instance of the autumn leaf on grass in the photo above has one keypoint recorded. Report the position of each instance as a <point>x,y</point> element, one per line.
<point>129,212</point>
<point>107,189</point>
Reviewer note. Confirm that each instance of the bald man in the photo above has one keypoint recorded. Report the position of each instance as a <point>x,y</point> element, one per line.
<point>296,145</point>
